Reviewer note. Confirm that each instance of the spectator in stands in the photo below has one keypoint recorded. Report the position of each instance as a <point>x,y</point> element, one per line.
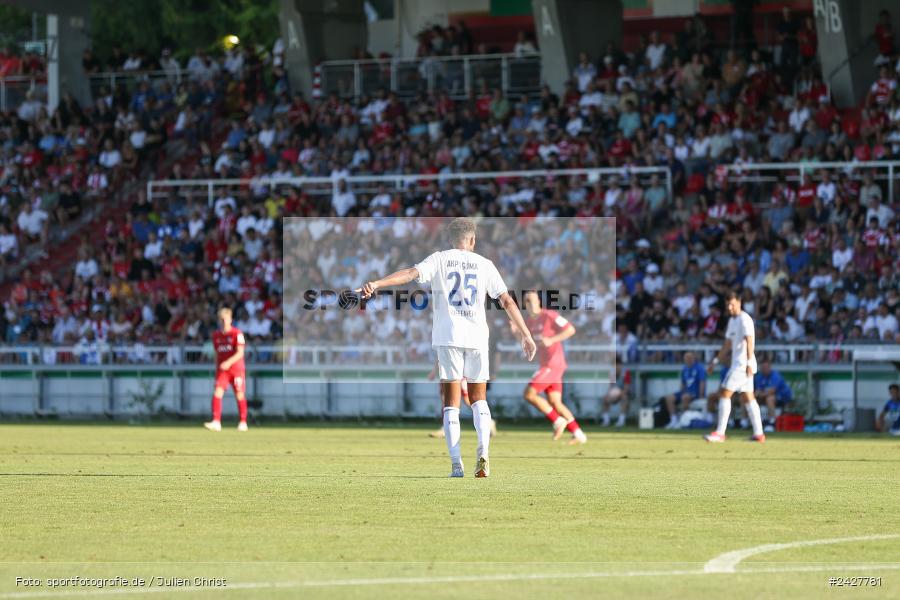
<point>584,72</point>
<point>889,417</point>
<point>772,390</point>
<point>525,44</point>
<point>656,52</point>
<point>33,223</point>
<point>693,387</point>
<point>884,37</point>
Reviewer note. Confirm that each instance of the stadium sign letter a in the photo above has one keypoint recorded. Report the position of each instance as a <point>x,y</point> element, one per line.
<point>293,38</point>
<point>546,22</point>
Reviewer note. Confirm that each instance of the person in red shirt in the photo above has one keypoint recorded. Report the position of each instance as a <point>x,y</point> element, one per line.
<point>550,329</point>
<point>228,342</point>
<point>882,90</point>
<point>884,35</point>
<point>806,194</point>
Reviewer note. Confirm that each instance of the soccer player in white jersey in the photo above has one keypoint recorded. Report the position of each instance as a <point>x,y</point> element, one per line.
<point>741,340</point>
<point>459,280</point>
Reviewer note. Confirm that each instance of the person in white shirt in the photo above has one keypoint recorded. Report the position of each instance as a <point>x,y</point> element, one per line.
<point>879,211</point>
<point>701,145</point>
<point>841,255</point>
<point>524,46</point>
<point>798,117</point>
<point>246,221</point>
<point>221,202</point>
<point>826,190</point>
<point>9,245</point>
<point>170,65</point>
<point>591,97</point>
<point>86,268</point>
<point>343,199</point>
<point>653,281</point>
<point>656,51</point>
<point>683,301</point>
<point>886,324</point>
<point>584,72</point>
<point>459,280</point>
<point>740,339</point>
<point>153,249</point>
<point>110,157</point>
<point>33,222</point>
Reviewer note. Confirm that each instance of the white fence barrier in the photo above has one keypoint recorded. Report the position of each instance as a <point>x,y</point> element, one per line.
<point>178,381</point>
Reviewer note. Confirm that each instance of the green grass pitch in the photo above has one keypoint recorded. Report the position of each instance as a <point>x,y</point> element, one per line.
<point>368,512</point>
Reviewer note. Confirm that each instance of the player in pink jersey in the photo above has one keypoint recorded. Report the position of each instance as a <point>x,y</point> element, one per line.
<point>549,330</point>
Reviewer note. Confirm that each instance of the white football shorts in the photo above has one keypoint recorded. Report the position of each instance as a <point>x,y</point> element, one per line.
<point>737,380</point>
<point>457,363</point>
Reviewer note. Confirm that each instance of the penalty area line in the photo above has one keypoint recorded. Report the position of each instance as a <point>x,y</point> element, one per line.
<point>728,562</point>
<point>387,581</point>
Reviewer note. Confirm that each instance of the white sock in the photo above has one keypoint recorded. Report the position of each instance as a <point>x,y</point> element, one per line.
<point>755,417</point>
<point>451,433</point>
<point>559,422</point>
<point>724,413</point>
<point>481,418</point>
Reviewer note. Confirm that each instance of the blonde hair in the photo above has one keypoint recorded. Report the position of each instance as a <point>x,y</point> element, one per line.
<point>459,229</point>
<point>225,311</point>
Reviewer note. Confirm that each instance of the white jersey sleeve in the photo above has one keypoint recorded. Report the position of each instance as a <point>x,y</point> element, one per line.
<point>495,285</point>
<point>747,328</point>
<point>428,268</point>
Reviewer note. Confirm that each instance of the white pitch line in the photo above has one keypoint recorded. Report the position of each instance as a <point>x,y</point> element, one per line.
<point>728,562</point>
<point>826,568</point>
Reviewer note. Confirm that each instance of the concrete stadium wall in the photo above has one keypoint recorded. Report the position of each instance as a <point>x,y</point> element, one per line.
<point>76,394</point>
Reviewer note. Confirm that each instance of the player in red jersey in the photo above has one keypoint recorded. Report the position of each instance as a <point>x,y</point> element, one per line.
<point>230,370</point>
<point>549,330</point>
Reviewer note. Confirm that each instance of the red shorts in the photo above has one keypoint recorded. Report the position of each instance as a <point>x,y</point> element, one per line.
<point>237,380</point>
<point>547,379</point>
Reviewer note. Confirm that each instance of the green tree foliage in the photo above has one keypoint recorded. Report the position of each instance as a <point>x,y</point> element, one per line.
<point>182,25</point>
<point>15,25</point>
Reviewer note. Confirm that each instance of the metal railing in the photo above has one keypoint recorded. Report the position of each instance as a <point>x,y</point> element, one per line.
<point>369,184</point>
<point>459,76</point>
<point>57,381</point>
<point>86,357</point>
<point>887,171</point>
<point>131,79</point>
<point>13,90</point>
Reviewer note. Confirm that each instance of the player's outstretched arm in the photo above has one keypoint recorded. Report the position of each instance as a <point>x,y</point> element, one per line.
<point>518,324</point>
<point>400,277</point>
<point>562,336</point>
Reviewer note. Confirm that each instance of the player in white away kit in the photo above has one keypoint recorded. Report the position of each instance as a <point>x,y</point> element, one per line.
<point>459,281</point>
<point>741,339</point>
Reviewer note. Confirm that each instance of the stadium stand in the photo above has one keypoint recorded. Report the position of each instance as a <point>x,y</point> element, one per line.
<point>88,255</point>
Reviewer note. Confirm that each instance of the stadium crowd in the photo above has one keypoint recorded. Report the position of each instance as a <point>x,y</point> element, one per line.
<point>816,259</point>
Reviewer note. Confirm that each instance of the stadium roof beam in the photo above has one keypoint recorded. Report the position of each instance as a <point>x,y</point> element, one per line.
<point>566,28</point>
<point>314,31</point>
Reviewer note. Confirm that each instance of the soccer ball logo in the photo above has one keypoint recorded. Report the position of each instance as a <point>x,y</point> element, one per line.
<point>348,299</point>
